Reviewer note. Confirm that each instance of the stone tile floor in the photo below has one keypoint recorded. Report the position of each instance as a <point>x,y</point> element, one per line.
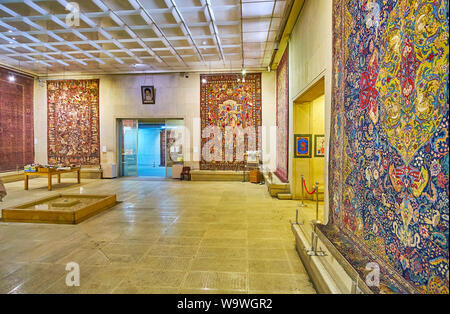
<point>164,237</point>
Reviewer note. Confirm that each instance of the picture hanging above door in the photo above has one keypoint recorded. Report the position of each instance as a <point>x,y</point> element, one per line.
<point>148,95</point>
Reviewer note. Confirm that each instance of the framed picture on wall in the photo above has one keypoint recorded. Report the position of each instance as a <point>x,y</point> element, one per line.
<point>302,145</point>
<point>319,145</point>
<point>148,95</point>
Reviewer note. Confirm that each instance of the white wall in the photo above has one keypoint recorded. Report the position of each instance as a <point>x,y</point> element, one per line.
<point>176,97</point>
<point>310,59</point>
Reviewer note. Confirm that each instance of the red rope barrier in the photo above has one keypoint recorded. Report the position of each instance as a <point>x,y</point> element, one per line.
<point>304,184</point>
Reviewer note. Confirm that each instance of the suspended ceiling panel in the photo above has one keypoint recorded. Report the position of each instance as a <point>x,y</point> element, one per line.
<point>125,36</point>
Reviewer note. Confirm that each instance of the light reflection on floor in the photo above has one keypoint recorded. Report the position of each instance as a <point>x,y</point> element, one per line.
<point>148,171</point>
<point>165,237</point>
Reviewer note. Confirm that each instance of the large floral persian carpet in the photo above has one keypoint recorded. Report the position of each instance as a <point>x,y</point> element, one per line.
<point>389,162</point>
<point>228,101</point>
<point>73,122</point>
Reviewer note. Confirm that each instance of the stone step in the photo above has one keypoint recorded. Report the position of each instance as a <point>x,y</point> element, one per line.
<point>218,175</point>
<point>284,196</point>
<point>275,186</point>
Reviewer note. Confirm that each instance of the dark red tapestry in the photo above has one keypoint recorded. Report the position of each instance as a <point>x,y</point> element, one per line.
<point>16,121</point>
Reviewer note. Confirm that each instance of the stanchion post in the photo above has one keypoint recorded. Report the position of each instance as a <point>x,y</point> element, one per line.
<point>302,204</point>
<point>296,219</point>
<point>317,201</point>
<point>314,238</point>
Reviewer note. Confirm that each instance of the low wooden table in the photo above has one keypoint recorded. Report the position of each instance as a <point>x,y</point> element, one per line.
<point>49,173</point>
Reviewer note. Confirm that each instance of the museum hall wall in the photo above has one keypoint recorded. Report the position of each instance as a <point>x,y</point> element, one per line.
<point>176,97</point>
<point>389,164</point>
<point>16,120</point>
<point>310,60</point>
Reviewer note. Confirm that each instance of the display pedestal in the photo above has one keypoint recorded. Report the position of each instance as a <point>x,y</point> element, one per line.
<point>60,209</point>
<point>176,171</point>
<point>255,176</point>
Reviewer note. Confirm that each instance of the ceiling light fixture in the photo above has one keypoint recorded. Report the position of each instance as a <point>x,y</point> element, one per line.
<point>243,72</point>
<point>11,78</point>
<point>203,80</point>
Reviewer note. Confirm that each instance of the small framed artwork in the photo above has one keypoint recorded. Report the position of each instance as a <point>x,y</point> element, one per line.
<point>148,95</point>
<point>319,145</point>
<point>302,145</point>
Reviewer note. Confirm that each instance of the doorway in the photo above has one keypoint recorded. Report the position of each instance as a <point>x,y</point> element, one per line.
<point>151,163</point>
<point>309,130</point>
<point>150,147</point>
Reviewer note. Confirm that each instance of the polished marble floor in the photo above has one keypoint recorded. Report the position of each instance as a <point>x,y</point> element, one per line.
<point>164,237</point>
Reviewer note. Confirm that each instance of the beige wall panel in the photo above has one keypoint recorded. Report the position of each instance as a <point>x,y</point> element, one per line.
<point>310,59</point>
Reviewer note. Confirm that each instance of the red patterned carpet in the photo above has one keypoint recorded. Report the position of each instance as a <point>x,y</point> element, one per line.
<point>283,117</point>
<point>16,121</point>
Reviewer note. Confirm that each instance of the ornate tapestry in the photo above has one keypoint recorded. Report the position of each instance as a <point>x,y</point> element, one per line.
<point>226,102</point>
<point>283,117</point>
<point>389,164</point>
<point>16,121</point>
<point>73,122</point>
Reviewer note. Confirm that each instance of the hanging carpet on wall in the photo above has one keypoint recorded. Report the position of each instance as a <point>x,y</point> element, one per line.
<point>73,122</point>
<point>16,121</point>
<point>227,102</point>
<point>283,117</point>
<point>389,162</point>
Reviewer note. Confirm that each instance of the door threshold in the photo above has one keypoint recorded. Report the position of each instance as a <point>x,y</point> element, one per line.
<point>144,178</point>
